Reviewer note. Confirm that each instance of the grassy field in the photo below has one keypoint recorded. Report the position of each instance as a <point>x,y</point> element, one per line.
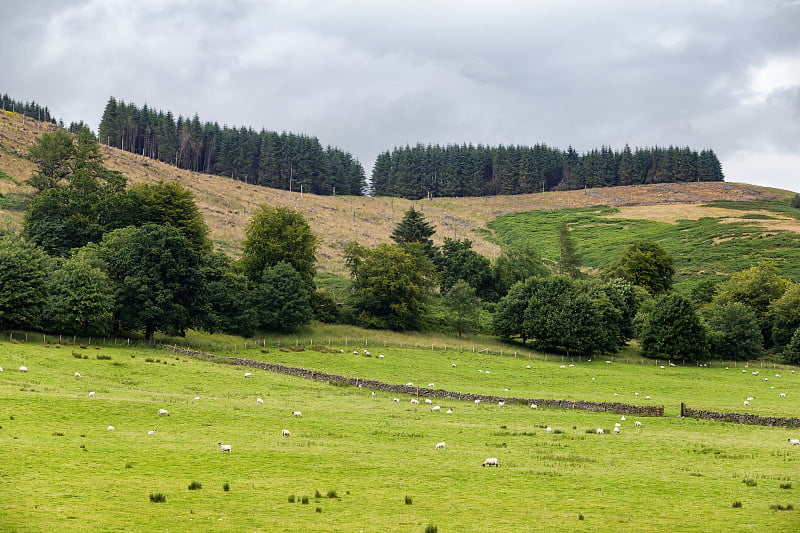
<point>359,458</point>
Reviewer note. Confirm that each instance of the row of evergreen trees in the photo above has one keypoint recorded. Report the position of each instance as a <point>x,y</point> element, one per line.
<point>28,109</point>
<point>280,160</point>
<point>468,170</point>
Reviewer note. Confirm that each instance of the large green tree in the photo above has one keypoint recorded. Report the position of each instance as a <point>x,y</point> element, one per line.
<point>275,235</point>
<point>54,154</point>
<point>415,229</point>
<point>783,315</point>
<point>734,332</point>
<point>281,300</point>
<point>463,307</point>
<point>791,353</point>
<point>157,279</point>
<point>226,296</point>
<point>673,330</point>
<point>518,262</point>
<point>391,285</point>
<point>80,298</point>
<point>647,265</point>
<point>23,269</point>
<point>460,262</point>
<point>569,261</point>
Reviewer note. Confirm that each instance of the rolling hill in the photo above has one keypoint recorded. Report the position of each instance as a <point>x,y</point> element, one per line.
<point>227,205</point>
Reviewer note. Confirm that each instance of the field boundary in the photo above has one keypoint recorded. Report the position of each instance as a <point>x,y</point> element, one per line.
<point>613,407</point>
<point>740,418</point>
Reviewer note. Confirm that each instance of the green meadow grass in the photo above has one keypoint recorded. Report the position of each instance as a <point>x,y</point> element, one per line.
<point>63,470</point>
<point>698,247</point>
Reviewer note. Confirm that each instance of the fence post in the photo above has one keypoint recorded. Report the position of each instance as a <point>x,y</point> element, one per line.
<point>683,409</point>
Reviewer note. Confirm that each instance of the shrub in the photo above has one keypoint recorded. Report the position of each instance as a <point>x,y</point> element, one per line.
<point>291,498</point>
<point>318,509</point>
<point>409,501</point>
<point>304,500</point>
<point>194,485</point>
<point>750,482</point>
<point>317,494</point>
<point>786,485</point>
<point>430,528</point>
<point>158,497</point>
<point>736,505</point>
<point>332,494</point>
<point>129,465</point>
<point>580,517</point>
<point>779,507</point>
<point>226,487</point>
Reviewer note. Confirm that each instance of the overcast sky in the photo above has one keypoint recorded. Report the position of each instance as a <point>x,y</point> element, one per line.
<point>370,75</point>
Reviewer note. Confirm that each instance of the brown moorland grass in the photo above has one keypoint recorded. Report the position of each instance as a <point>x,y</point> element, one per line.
<point>227,205</point>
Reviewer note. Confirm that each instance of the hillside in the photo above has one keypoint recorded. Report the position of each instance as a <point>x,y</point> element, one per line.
<point>228,205</point>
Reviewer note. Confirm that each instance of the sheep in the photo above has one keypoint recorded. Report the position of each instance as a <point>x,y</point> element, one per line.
<point>661,367</point>
<point>750,398</point>
<point>151,432</point>
<point>197,397</point>
<point>91,394</point>
<point>431,385</point>
<point>454,365</point>
<point>23,369</point>
<point>477,402</point>
<point>366,352</point>
<point>436,408</point>
<point>491,461</point>
<point>355,352</point>
<point>637,424</point>
<point>534,406</point>
<point>600,431</point>
<point>777,375</point>
<point>259,400</point>
<point>225,447</point>
<point>248,374</point>
<point>110,428</point>
<point>78,375</point>
<point>501,404</point>
<point>647,397</point>
<point>380,356</point>
<point>414,401</point>
<point>297,413</point>
<point>617,424</point>
<point>548,429</point>
<point>286,433</point>
<point>782,395</point>
<point>428,400</point>
<point>794,442</point>
<point>395,399</point>
<point>746,402</point>
<point>440,446</point>
<point>163,412</point>
<point>341,351</point>
<point>409,384</point>
<point>616,430</point>
<point>449,411</point>
<point>622,418</point>
<point>563,366</point>
<point>527,366</point>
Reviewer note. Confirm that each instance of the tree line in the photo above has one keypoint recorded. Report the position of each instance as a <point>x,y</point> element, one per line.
<point>28,109</point>
<point>468,170</point>
<point>279,160</point>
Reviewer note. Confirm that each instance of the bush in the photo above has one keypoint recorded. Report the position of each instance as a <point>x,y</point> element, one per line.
<point>291,498</point>
<point>737,505</point>
<point>158,497</point>
<point>332,494</point>
<point>226,487</point>
<point>430,528</point>
<point>409,501</point>
<point>194,485</point>
<point>786,485</point>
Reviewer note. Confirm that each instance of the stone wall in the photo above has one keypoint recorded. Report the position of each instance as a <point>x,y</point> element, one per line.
<point>740,418</point>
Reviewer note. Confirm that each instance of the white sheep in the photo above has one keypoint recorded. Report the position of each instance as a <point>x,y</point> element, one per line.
<point>110,428</point>
<point>395,399</point>
<point>431,385</point>
<point>794,442</point>
<point>78,375</point>
<point>477,402</point>
<point>297,413</point>
<point>563,366</point>
<point>409,384</point>
<point>548,429</point>
<point>501,404</point>
<point>782,395</point>
<point>750,398</point>
<point>91,394</point>
<point>647,397</point>
<point>534,406</point>
<point>428,400</point>
<point>435,408</point>
<point>151,432</point>
<point>163,412</point>
<point>23,369</point>
<point>259,400</point>
<point>440,446</point>
<point>286,433</point>
<point>491,461</point>
<point>746,402</point>
<point>600,431</point>
<point>616,429</point>
<point>622,418</point>
<point>527,366</point>
<point>355,352</point>
<point>617,424</point>
<point>248,374</point>
<point>414,401</point>
<point>777,375</point>
<point>454,365</point>
<point>637,424</point>
<point>449,411</point>
<point>225,447</point>
<point>380,356</point>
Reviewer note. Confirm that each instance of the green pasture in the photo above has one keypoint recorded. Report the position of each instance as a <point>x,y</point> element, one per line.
<point>698,247</point>
<point>359,458</point>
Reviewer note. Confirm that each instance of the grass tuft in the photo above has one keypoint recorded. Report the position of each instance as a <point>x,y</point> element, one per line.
<point>409,501</point>
<point>304,500</point>
<point>737,505</point>
<point>332,494</point>
<point>786,485</point>
<point>779,507</point>
<point>750,482</point>
<point>430,528</point>
<point>195,485</point>
<point>158,497</point>
<point>291,498</point>
<point>226,487</point>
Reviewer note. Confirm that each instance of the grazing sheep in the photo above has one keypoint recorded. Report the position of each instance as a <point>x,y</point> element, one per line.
<point>436,408</point>
<point>616,430</point>
<point>488,372</point>
<point>23,369</point>
<point>647,397</point>
<point>600,431</point>
<point>491,461</point>
<point>481,371</point>
<point>163,412</point>
<point>1,368</point>
<point>454,365</point>
<point>409,384</point>
<point>259,400</point>
<point>782,395</point>
<point>428,400</point>
<point>110,428</point>
<point>151,432</point>
<point>395,399</point>
<point>534,406</point>
<point>380,356</point>
<point>341,351</point>
<point>197,397</point>
<point>563,366</point>
<point>548,429</point>
<point>286,433</point>
<point>449,411</point>
<point>414,401</point>
<point>224,447</point>
<point>622,417</point>
<point>777,375</point>
<point>297,413</point>
<point>366,352</point>
<point>750,398</point>
<point>248,374</point>
<point>355,352</point>
<point>527,366</point>
<point>440,446</point>
<point>794,442</point>
<point>477,402</point>
<point>617,424</point>
<point>431,385</point>
<point>746,402</point>
<point>637,424</point>
<point>661,367</point>
<point>91,394</point>
<point>501,404</point>
<point>78,375</point>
